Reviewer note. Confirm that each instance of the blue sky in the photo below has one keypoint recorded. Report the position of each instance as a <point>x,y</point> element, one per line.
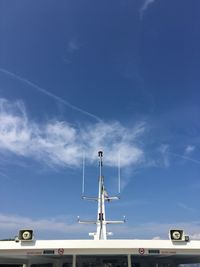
<point>81,76</point>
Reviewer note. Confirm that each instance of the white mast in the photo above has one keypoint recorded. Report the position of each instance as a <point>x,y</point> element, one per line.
<point>101,220</point>
<point>101,232</point>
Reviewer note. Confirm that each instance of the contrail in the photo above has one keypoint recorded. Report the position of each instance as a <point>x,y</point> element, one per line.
<point>46,92</point>
<point>185,157</point>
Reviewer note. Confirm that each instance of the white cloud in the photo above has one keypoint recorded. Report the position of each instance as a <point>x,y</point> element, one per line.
<point>164,150</point>
<point>195,236</point>
<point>156,238</point>
<point>189,149</point>
<point>59,143</point>
<point>153,230</point>
<point>48,227</point>
<point>61,227</point>
<point>65,226</point>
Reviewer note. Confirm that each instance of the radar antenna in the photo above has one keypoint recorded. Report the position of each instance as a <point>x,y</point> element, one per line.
<point>101,222</point>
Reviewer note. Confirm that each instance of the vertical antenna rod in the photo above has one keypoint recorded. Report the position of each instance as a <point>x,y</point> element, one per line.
<point>83,182</point>
<point>119,174</point>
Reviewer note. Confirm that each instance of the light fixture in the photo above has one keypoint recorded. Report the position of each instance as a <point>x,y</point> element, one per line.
<point>25,235</point>
<point>178,235</point>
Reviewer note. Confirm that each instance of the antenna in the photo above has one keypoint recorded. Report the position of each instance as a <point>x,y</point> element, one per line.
<point>101,222</point>
<point>83,181</point>
<point>119,174</point>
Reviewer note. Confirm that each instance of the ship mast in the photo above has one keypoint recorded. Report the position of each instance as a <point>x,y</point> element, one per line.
<point>101,222</point>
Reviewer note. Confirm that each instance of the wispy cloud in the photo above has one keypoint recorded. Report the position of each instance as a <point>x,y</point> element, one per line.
<point>132,203</point>
<point>189,149</point>
<point>49,94</point>
<point>164,150</point>
<point>186,207</point>
<point>11,224</point>
<point>145,6</point>
<point>74,45</point>
<point>58,143</point>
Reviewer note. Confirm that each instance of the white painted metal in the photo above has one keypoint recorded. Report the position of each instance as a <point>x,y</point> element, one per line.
<point>25,249</point>
<point>101,233</point>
